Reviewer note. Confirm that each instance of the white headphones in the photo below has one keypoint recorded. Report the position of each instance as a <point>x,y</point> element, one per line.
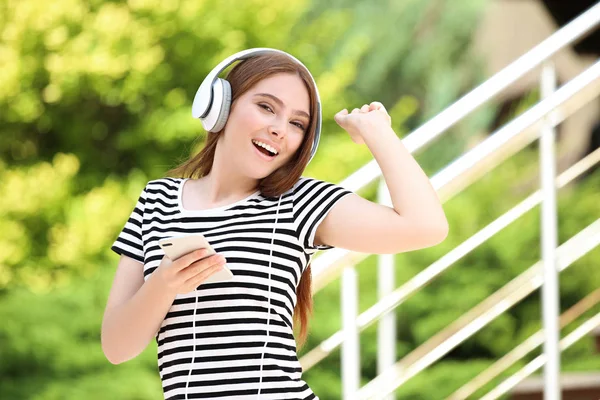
<point>213,98</point>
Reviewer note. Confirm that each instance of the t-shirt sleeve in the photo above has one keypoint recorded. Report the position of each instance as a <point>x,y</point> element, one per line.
<point>129,242</point>
<point>313,199</point>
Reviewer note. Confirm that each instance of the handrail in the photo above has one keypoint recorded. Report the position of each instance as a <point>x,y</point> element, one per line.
<point>514,135</point>
<point>567,35</point>
<point>539,361</point>
<point>479,316</point>
<point>423,135</point>
<point>402,293</point>
<point>524,348</point>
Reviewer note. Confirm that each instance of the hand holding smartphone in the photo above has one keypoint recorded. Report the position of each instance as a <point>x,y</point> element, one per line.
<point>176,247</point>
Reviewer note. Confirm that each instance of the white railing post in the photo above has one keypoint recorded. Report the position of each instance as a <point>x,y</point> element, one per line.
<point>350,346</point>
<point>550,293</point>
<point>386,332</point>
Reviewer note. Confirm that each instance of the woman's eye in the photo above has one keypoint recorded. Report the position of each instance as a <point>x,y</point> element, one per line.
<point>299,125</point>
<point>266,107</point>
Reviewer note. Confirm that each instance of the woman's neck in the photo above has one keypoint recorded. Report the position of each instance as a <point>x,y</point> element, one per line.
<point>217,189</point>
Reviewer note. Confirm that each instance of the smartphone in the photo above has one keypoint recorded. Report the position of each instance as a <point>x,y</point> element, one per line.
<point>175,247</point>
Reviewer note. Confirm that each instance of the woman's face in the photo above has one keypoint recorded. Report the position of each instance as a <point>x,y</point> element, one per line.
<point>275,113</point>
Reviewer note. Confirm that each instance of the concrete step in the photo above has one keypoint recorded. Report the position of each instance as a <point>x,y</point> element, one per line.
<point>574,386</point>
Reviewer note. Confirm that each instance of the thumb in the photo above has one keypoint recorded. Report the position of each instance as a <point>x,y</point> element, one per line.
<point>340,116</point>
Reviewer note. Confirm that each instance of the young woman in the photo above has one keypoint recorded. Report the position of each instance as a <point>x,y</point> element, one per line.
<point>244,192</point>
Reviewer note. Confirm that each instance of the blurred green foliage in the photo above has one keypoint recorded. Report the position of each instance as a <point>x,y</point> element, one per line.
<point>95,101</point>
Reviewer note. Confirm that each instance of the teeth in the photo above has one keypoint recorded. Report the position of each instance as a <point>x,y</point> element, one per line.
<point>265,146</point>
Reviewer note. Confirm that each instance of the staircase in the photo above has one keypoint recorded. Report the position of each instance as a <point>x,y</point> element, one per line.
<point>575,386</point>
<point>538,122</point>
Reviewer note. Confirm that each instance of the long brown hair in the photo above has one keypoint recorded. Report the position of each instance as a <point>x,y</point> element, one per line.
<point>242,78</point>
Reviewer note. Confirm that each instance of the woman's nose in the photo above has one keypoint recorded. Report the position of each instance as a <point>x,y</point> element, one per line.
<point>277,130</point>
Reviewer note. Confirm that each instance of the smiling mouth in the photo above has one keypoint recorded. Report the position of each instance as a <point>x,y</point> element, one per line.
<point>264,151</point>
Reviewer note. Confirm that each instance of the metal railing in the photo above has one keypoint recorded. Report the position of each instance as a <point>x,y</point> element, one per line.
<point>528,345</point>
<point>543,117</point>
<point>584,329</point>
<point>324,267</point>
<point>401,294</point>
<point>479,316</point>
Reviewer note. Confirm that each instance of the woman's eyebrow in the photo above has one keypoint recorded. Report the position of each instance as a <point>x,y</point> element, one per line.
<point>278,101</point>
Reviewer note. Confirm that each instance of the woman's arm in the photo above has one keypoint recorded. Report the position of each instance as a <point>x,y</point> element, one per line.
<point>417,219</point>
<point>134,312</point>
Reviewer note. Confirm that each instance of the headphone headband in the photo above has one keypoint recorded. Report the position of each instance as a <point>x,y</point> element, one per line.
<point>212,101</point>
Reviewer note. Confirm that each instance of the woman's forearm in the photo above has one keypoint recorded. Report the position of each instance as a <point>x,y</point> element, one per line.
<point>412,194</point>
<point>127,329</point>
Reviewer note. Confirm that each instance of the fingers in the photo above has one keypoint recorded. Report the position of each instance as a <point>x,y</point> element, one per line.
<point>190,258</point>
<point>339,117</point>
<point>342,113</point>
<point>375,105</point>
<point>214,262</point>
<point>166,261</point>
<point>194,281</point>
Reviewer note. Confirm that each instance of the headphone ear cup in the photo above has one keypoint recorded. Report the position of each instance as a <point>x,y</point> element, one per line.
<point>218,110</point>
<point>225,105</point>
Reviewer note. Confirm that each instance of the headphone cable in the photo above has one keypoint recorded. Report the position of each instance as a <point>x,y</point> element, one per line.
<point>193,344</point>
<point>269,308</point>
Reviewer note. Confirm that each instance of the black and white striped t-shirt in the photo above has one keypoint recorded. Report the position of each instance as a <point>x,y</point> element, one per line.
<point>231,317</point>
